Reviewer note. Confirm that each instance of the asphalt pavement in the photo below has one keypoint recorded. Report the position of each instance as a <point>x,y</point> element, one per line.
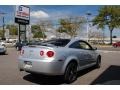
<point>109,73</point>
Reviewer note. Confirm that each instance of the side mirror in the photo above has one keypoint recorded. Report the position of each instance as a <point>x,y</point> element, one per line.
<point>94,48</point>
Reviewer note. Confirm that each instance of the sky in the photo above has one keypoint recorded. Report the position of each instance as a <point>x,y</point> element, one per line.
<point>53,12</point>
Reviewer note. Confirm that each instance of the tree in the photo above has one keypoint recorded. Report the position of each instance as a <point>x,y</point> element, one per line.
<point>36,30</point>
<point>61,30</point>
<point>71,26</point>
<point>1,33</point>
<point>12,29</point>
<point>39,35</point>
<point>108,16</point>
<point>45,25</point>
<point>96,36</point>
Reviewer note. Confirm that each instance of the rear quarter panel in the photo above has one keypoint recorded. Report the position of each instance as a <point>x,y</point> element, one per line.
<point>66,55</point>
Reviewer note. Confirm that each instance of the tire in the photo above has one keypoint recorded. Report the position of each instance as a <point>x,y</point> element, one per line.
<point>98,63</point>
<point>70,72</point>
<point>4,53</point>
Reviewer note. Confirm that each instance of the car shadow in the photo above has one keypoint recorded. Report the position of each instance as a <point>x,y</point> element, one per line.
<point>52,80</point>
<point>44,79</point>
<point>85,71</point>
<point>3,54</point>
<point>111,76</point>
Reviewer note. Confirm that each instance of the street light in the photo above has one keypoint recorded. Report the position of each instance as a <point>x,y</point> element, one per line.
<point>3,36</point>
<point>87,15</point>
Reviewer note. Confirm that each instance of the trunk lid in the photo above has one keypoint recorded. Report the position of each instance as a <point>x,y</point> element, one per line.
<point>33,52</point>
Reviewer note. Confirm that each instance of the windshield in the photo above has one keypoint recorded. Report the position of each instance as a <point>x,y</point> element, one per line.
<point>56,42</point>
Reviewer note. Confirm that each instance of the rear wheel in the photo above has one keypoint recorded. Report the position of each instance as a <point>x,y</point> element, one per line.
<point>71,72</point>
<point>98,63</point>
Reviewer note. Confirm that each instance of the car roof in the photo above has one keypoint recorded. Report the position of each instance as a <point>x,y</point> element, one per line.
<point>74,40</point>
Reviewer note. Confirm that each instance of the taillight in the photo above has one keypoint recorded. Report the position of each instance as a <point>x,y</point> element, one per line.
<point>41,53</point>
<point>50,53</point>
<point>22,52</point>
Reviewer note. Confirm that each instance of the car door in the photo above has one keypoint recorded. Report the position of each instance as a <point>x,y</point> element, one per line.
<point>83,52</point>
<point>90,54</point>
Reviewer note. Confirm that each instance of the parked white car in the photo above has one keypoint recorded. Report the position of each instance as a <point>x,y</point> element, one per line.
<point>59,57</point>
<point>7,43</point>
<point>2,43</point>
<point>3,49</point>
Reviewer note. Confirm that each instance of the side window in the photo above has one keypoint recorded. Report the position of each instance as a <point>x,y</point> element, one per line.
<point>75,45</point>
<point>80,45</point>
<point>84,45</point>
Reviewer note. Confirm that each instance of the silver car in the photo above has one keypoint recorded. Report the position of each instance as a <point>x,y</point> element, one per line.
<point>59,57</point>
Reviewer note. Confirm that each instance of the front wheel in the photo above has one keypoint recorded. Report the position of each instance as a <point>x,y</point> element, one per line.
<point>70,73</point>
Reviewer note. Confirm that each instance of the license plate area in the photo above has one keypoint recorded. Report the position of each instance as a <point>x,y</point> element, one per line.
<point>28,65</point>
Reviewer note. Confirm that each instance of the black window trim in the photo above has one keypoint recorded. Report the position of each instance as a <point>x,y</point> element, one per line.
<point>55,41</point>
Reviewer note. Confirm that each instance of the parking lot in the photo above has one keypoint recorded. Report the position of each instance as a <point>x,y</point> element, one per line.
<point>109,73</point>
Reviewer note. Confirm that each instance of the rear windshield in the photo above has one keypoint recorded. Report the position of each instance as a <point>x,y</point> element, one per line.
<point>56,42</point>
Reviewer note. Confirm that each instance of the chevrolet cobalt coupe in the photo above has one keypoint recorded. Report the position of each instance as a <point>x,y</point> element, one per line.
<point>59,57</point>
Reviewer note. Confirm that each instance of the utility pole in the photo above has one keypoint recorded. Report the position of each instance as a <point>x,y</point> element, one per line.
<point>3,28</point>
<point>3,36</point>
<point>87,15</point>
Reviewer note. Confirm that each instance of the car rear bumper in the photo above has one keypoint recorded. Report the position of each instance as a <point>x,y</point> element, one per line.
<point>41,66</point>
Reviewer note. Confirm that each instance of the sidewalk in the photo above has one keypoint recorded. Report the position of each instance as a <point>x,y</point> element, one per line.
<point>100,46</point>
